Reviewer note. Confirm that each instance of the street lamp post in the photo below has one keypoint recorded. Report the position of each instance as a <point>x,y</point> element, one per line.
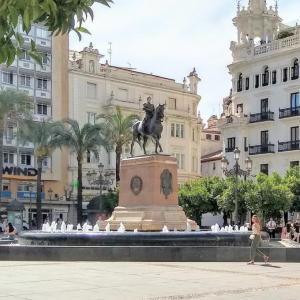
<point>235,172</point>
<point>103,180</point>
<point>30,186</point>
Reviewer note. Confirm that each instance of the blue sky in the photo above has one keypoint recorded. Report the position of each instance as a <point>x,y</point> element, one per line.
<point>170,37</point>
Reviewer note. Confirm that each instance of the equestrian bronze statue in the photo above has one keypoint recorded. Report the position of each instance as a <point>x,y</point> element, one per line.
<point>151,127</point>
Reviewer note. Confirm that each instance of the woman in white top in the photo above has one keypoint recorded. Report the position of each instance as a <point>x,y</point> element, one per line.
<point>256,239</point>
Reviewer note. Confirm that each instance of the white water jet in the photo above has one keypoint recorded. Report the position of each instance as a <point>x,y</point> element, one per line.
<point>135,230</point>
<point>53,227</point>
<point>79,227</point>
<point>63,227</point>
<point>69,227</point>
<point>121,228</point>
<point>188,226</point>
<point>96,228</point>
<point>165,229</point>
<point>107,227</point>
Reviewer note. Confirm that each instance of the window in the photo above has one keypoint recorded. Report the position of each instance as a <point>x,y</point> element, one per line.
<point>264,105</point>
<point>91,66</point>
<point>9,133</point>
<point>194,133</point>
<point>295,101</point>
<point>265,77</point>
<point>274,77</point>
<point>239,108</point>
<point>24,55</point>
<point>42,33</point>
<point>8,158</point>
<point>214,166</point>
<point>25,80</point>
<point>240,83</point>
<point>264,168</point>
<point>26,159</point>
<point>91,90</point>
<point>256,81</point>
<point>42,109</point>
<point>295,70</point>
<point>247,83</point>
<point>88,157</point>
<point>5,187</point>
<point>217,137</point>
<point>42,84</point>
<point>295,134</point>
<point>8,78</point>
<point>245,144</point>
<point>180,160</point>
<point>264,137</point>
<point>294,164</point>
<point>230,144</point>
<point>91,118</point>
<point>177,130</point>
<point>285,75</point>
<point>123,94</point>
<point>46,162</point>
<point>45,58</point>
<point>172,103</point>
<point>208,136</point>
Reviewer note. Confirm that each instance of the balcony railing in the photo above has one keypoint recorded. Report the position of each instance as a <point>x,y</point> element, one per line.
<point>261,149</point>
<point>289,146</point>
<point>229,149</point>
<point>262,117</point>
<point>289,112</point>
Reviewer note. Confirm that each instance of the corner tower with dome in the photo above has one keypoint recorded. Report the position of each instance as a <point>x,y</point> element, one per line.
<point>263,116</point>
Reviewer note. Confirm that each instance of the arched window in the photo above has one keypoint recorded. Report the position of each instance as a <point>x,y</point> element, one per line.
<point>265,77</point>
<point>295,69</point>
<point>91,66</point>
<point>240,83</point>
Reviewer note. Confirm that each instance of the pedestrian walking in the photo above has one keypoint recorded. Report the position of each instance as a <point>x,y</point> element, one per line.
<point>271,225</point>
<point>256,240</point>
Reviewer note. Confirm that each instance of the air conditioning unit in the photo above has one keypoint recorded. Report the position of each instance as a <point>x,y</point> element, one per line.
<point>26,65</point>
<point>43,94</point>
<point>43,43</point>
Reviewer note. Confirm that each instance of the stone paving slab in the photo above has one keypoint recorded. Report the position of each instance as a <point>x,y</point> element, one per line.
<point>147,281</point>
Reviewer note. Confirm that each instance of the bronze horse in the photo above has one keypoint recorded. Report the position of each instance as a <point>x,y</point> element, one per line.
<point>154,131</point>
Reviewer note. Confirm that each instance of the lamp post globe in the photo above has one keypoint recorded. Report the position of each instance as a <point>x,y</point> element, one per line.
<point>236,154</point>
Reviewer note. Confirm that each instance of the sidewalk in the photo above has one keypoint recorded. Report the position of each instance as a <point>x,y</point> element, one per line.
<point>147,281</point>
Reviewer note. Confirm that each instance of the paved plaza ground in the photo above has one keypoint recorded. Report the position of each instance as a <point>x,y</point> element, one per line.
<point>147,281</point>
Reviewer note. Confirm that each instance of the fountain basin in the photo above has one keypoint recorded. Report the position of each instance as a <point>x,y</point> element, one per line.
<point>205,238</point>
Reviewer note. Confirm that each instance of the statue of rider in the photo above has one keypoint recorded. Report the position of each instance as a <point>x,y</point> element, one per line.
<point>148,107</point>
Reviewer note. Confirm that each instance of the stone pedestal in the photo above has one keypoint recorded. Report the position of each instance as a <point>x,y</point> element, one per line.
<point>148,195</point>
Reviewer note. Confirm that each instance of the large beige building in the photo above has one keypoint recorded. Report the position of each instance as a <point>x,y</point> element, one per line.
<point>262,115</point>
<point>47,87</point>
<point>97,87</point>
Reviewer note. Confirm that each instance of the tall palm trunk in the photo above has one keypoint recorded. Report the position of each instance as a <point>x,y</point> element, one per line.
<point>118,161</point>
<point>39,216</point>
<point>79,190</point>
<point>1,158</point>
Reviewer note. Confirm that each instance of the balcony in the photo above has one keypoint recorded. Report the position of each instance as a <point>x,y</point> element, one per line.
<point>289,146</point>
<point>261,149</point>
<point>289,112</point>
<point>261,117</point>
<point>227,150</point>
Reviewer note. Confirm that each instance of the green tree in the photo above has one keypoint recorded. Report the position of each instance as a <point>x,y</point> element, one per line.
<point>269,197</point>
<point>13,105</point>
<point>80,140</point>
<point>292,180</point>
<point>58,16</point>
<point>226,201</point>
<point>118,133</point>
<point>43,137</point>
<point>200,196</point>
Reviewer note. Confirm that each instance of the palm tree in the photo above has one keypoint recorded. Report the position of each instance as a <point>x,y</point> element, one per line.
<point>118,132</point>
<point>43,137</point>
<point>80,140</point>
<point>13,105</point>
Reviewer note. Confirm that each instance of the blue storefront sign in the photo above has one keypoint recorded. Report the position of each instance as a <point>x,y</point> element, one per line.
<point>28,195</point>
<point>6,194</point>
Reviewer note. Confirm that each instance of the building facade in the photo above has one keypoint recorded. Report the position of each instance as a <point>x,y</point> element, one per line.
<point>97,88</point>
<point>42,84</point>
<point>262,114</point>
<point>211,149</point>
